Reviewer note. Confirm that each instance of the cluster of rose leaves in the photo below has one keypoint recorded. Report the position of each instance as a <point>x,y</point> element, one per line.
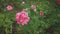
<point>22,17</point>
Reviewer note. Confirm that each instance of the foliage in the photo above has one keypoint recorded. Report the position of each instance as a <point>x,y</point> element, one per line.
<point>47,24</point>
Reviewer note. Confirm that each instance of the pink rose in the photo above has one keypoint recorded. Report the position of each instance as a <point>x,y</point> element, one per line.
<point>58,2</point>
<point>41,13</point>
<point>9,7</point>
<point>22,17</point>
<point>33,7</point>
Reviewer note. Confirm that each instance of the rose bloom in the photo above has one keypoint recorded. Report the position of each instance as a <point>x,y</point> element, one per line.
<point>58,2</point>
<point>23,2</point>
<point>22,17</point>
<point>41,13</point>
<point>33,7</point>
<point>9,7</point>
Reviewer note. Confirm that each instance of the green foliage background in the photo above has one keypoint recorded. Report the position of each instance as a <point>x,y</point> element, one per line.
<point>47,24</point>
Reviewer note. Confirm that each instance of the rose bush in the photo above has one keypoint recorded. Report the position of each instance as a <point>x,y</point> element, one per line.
<point>29,17</point>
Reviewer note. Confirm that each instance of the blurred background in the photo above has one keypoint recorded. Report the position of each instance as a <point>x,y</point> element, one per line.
<point>44,16</point>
